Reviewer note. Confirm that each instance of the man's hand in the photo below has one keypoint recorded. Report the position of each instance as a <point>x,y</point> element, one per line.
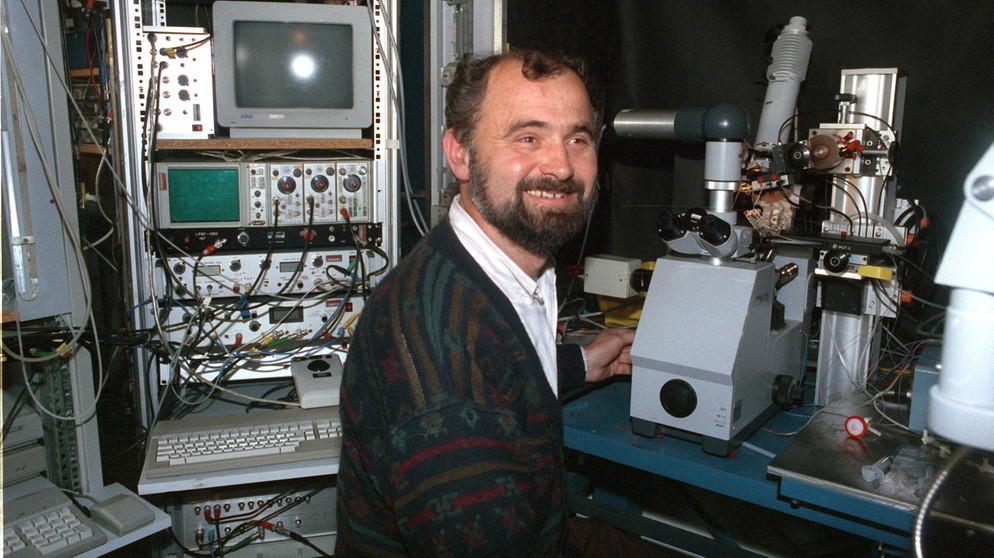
<point>609,354</point>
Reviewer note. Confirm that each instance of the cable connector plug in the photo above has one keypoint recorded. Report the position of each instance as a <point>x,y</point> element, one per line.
<point>214,247</point>
<point>280,530</point>
<point>173,52</point>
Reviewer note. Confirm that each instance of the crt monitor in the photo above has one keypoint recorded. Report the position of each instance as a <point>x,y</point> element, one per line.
<point>288,70</point>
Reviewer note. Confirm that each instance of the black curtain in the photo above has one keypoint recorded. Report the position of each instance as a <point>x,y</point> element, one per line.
<point>670,54</point>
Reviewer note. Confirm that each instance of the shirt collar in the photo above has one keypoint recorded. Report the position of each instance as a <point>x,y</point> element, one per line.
<point>496,263</point>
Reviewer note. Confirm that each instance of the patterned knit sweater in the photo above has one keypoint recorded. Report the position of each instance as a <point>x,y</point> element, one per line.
<point>452,437</point>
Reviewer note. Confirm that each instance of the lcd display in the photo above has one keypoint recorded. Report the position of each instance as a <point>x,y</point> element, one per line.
<point>286,315</point>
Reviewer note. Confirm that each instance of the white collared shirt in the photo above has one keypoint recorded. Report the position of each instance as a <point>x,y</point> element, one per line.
<point>534,301</point>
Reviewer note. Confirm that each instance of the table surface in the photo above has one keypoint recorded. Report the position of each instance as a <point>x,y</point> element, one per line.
<point>822,455</point>
<point>773,470</point>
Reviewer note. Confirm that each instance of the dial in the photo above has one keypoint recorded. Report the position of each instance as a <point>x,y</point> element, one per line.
<point>286,185</point>
<point>678,398</point>
<point>836,261</point>
<point>319,183</point>
<point>352,183</point>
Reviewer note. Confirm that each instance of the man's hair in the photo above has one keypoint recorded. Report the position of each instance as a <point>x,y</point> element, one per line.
<point>464,96</point>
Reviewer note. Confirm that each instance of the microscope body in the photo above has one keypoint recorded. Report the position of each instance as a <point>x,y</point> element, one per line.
<point>712,351</point>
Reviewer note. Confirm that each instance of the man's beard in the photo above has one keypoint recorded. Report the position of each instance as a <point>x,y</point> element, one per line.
<point>542,232</point>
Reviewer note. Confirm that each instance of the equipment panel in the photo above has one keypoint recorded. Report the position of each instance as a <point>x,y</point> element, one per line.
<point>231,275</point>
<point>262,517</point>
<point>254,206</point>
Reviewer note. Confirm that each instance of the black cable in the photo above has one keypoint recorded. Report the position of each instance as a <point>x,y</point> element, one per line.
<point>815,205</point>
<point>304,540</point>
<point>381,253</point>
<point>339,311</point>
<point>308,238</point>
<point>186,551</point>
<point>914,208</point>
<point>878,119</point>
<point>879,289</point>
<point>15,409</point>
<point>358,248</point>
<point>845,190</point>
<point>217,536</point>
<point>251,519</point>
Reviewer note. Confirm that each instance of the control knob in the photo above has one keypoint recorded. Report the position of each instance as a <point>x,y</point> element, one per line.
<point>286,185</point>
<point>836,261</point>
<point>319,183</point>
<point>352,183</point>
<point>678,398</point>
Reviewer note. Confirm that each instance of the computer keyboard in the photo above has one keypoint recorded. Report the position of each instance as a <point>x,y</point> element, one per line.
<point>199,445</point>
<point>47,524</point>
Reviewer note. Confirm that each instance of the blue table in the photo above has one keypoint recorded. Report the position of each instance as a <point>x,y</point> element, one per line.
<point>597,424</point>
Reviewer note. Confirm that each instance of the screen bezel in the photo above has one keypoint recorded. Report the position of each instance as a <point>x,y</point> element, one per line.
<point>290,122</point>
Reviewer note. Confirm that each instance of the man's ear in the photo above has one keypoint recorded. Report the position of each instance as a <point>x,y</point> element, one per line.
<point>457,156</point>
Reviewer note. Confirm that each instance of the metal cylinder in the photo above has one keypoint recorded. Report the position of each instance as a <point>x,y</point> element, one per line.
<point>646,124</point>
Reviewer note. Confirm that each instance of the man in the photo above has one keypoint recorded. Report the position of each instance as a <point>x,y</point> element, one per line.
<point>452,429</point>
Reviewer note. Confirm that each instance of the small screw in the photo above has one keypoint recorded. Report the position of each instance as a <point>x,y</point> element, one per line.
<point>983,188</point>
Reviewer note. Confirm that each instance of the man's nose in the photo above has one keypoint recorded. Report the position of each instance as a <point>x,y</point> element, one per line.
<point>556,161</point>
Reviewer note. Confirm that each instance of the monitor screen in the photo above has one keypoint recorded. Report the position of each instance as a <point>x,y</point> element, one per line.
<point>298,65</point>
<point>286,70</point>
<point>203,195</point>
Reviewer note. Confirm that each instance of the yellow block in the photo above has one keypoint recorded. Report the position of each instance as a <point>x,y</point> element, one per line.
<point>875,272</point>
<point>621,312</point>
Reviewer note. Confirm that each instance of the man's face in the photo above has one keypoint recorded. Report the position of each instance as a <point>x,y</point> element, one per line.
<point>533,161</point>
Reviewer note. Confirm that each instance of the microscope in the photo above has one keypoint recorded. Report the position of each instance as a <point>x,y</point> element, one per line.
<point>716,351</point>
<point>961,406</point>
<point>721,342</point>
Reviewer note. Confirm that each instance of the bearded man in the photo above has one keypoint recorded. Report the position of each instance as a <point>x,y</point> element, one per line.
<point>452,426</point>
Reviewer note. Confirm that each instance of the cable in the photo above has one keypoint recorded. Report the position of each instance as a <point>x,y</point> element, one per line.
<point>397,97</point>
<point>70,234</point>
<point>82,415</point>
<point>787,198</point>
<point>579,259</point>
<point>759,450</point>
<point>933,489</point>
<point>8,420</point>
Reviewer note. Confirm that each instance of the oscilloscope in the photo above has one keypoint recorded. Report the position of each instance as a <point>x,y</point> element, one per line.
<point>258,206</point>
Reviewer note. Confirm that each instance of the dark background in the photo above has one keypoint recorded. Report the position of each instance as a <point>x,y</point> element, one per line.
<point>669,54</point>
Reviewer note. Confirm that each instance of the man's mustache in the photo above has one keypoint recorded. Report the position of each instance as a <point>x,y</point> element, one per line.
<point>570,186</point>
